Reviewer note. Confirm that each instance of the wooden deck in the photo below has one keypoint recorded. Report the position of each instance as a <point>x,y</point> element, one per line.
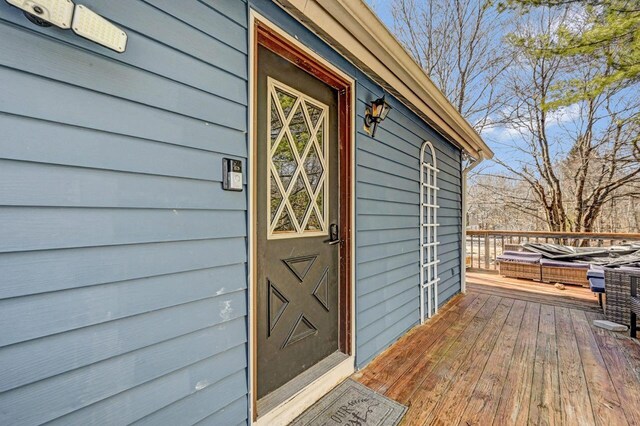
<point>512,352</point>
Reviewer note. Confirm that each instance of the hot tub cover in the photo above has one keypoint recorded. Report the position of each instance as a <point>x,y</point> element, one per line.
<point>560,264</point>
<point>520,257</point>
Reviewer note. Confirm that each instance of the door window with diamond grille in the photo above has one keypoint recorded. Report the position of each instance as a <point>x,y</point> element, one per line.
<point>297,163</point>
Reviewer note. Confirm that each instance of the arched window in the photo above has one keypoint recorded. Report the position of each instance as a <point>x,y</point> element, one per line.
<point>428,231</point>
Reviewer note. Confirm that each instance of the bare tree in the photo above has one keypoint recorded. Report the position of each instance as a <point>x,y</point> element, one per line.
<point>579,159</point>
<point>507,202</point>
<point>502,202</point>
<point>459,45</point>
<point>564,169</point>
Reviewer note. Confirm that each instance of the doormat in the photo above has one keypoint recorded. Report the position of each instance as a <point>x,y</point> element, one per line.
<point>352,403</point>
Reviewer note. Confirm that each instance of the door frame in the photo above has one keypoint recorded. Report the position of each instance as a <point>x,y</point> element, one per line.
<point>264,32</point>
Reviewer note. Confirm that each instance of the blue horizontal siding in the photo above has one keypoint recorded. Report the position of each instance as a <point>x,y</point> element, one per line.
<point>76,187</point>
<point>27,273</point>
<point>83,108</point>
<point>26,362</point>
<point>228,414</point>
<point>104,75</point>
<point>32,140</point>
<point>124,284</point>
<point>47,314</point>
<point>387,223</point>
<point>124,277</point>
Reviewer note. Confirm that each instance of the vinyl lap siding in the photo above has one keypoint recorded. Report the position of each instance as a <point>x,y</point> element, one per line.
<point>387,223</point>
<point>387,215</point>
<point>122,261</point>
<point>123,270</point>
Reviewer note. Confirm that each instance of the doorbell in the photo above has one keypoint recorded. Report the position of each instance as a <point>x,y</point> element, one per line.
<point>231,174</point>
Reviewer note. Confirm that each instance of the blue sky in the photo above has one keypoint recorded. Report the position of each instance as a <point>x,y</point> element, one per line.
<point>383,9</point>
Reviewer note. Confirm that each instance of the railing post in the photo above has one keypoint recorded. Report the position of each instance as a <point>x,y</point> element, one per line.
<point>487,251</point>
<point>471,249</point>
<point>495,250</point>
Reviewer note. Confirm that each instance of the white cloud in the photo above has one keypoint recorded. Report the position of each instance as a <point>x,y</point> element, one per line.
<point>515,130</point>
<point>504,133</point>
<point>564,115</point>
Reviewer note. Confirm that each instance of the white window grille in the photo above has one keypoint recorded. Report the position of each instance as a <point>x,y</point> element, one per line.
<point>298,163</point>
<point>428,231</point>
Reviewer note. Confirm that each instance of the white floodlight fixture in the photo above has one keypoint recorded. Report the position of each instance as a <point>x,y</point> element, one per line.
<point>47,12</point>
<point>94,27</point>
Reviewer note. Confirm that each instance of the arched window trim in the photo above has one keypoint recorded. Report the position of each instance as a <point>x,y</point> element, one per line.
<point>428,231</point>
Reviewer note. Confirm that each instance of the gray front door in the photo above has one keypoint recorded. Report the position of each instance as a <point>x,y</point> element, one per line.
<point>297,207</point>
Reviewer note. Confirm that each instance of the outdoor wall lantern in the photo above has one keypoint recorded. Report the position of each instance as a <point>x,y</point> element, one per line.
<point>375,114</point>
<point>66,15</point>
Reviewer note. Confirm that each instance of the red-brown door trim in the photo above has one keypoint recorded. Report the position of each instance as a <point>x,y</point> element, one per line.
<point>273,41</point>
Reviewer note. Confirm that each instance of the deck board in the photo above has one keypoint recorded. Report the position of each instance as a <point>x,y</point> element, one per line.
<point>387,370</point>
<point>513,407</point>
<point>544,405</point>
<point>407,384</point>
<point>467,376</point>
<point>571,296</point>
<point>512,352</point>
<point>482,404</point>
<point>574,394</point>
<point>435,385</point>
<point>626,383</point>
<point>607,409</point>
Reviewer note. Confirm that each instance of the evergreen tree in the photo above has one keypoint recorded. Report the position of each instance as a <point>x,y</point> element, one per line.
<point>606,31</point>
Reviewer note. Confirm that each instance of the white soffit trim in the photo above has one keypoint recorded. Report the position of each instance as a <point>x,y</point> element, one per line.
<point>357,33</point>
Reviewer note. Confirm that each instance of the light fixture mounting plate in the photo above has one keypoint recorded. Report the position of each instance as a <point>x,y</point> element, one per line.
<point>43,12</point>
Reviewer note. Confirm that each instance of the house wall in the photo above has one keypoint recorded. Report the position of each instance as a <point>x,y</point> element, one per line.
<point>123,264</point>
<point>388,223</point>
<point>387,212</point>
